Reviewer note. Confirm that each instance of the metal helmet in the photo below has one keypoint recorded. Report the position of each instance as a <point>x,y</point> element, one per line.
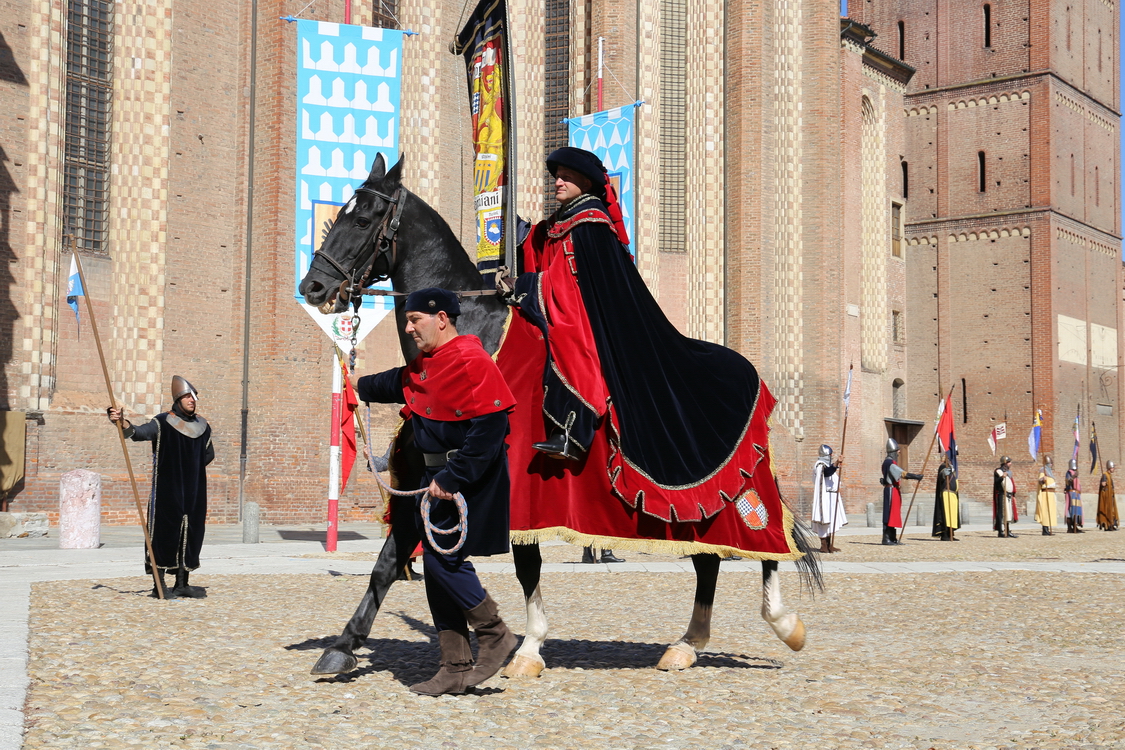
<point>181,388</point>
<point>892,446</point>
<point>1072,465</point>
<point>1005,460</point>
<point>825,451</point>
<point>1110,465</point>
<point>1047,461</point>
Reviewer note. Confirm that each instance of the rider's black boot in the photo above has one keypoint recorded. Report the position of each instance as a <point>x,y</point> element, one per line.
<point>609,557</point>
<point>557,446</point>
<point>588,555</point>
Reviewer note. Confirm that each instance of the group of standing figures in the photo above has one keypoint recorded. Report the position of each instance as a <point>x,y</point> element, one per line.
<point>828,514</point>
<point>1045,514</point>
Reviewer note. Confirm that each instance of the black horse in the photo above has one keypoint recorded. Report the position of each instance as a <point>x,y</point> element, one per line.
<point>364,245</point>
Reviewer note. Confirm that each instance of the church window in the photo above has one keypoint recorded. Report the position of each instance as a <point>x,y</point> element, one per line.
<point>896,230</point>
<point>982,177</point>
<point>987,25</point>
<point>902,41</point>
<point>383,14</point>
<point>86,116</point>
<point>556,87</point>
<point>905,180</point>
<point>673,132</point>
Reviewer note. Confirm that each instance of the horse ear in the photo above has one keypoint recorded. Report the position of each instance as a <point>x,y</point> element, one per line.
<point>378,169</point>
<point>395,175</point>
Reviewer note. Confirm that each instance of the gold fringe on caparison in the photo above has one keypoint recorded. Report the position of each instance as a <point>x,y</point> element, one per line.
<point>658,546</point>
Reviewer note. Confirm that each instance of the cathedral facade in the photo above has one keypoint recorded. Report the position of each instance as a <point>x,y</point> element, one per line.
<point>789,203</point>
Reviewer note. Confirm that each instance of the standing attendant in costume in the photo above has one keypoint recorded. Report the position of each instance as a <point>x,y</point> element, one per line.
<point>947,508</point>
<point>1045,498</point>
<point>828,514</point>
<point>177,507</point>
<point>1073,492</point>
<point>1107,500</point>
<point>892,496</point>
<point>457,404</point>
<point>1004,511</point>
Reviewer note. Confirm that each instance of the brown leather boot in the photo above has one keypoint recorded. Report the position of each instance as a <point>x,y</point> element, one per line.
<point>456,666</point>
<point>824,544</point>
<point>495,641</point>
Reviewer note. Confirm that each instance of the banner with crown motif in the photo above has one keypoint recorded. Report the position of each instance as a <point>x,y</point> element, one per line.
<point>609,134</point>
<point>349,80</point>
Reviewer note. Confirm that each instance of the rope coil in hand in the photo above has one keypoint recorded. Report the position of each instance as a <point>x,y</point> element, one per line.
<point>462,524</point>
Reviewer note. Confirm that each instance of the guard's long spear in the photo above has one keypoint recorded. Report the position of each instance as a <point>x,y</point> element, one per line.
<point>925,463</point>
<point>840,460</point>
<point>120,429</point>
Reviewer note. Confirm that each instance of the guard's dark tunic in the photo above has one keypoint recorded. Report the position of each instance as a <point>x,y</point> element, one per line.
<point>892,496</point>
<point>177,507</point>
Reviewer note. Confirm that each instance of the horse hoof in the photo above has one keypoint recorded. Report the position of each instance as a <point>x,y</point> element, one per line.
<point>678,656</point>
<point>334,662</point>
<point>523,666</point>
<point>796,639</point>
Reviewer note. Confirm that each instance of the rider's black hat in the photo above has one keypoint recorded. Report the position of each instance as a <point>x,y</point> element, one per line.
<point>433,301</point>
<point>581,161</point>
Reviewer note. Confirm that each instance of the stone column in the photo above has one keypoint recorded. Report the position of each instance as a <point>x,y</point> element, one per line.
<point>80,510</point>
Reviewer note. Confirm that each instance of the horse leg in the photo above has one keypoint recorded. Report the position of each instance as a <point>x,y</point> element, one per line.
<point>787,625</point>
<point>527,661</point>
<point>395,555</point>
<point>685,652</point>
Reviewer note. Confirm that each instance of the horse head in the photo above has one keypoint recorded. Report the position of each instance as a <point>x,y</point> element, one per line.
<point>364,245</point>
<point>361,245</point>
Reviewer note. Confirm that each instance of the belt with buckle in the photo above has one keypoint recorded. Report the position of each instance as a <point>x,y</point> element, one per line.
<point>438,459</point>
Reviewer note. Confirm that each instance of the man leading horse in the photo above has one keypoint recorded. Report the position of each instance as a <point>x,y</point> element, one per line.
<point>456,405</point>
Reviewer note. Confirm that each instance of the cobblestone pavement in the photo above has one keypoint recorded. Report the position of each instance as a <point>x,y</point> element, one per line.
<point>998,659</point>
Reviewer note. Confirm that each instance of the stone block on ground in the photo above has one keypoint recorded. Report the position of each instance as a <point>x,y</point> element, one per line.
<point>23,525</point>
<point>80,509</point>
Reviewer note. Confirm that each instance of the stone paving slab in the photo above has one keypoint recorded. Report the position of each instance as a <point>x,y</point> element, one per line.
<point>1007,659</point>
<point>115,572</point>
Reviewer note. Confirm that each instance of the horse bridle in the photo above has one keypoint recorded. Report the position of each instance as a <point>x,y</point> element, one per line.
<point>383,244</point>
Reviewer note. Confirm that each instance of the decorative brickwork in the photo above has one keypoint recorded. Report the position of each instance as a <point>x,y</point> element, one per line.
<point>788,376</point>
<point>704,172</point>
<point>139,199</point>
<point>873,306</point>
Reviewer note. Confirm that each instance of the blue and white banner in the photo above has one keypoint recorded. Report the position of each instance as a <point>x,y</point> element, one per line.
<point>349,80</point>
<point>74,288</point>
<point>609,134</point>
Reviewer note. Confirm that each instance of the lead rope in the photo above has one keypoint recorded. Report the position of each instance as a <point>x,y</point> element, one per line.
<point>431,528</point>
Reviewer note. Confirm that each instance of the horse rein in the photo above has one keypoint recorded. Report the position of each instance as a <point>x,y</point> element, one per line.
<point>383,240</point>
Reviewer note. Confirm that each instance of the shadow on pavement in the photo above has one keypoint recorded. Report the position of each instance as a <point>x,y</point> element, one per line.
<point>294,535</point>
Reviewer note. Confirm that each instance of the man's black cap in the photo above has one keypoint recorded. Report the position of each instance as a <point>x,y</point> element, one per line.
<point>433,301</point>
<point>581,161</point>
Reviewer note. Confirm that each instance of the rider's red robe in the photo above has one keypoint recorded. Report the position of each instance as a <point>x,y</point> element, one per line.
<point>680,453</point>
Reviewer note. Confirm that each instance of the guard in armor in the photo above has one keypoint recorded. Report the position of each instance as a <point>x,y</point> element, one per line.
<point>947,507</point>
<point>1107,500</point>
<point>456,403</point>
<point>828,514</point>
<point>177,507</point>
<point>892,496</point>
<point>1045,498</point>
<point>1004,512</point>
<point>1073,492</point>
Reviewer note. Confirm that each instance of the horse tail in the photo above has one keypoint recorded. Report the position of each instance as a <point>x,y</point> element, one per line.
<point>809,566</point>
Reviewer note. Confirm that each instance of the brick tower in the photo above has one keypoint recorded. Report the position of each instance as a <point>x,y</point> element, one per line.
<point>1013,233</point>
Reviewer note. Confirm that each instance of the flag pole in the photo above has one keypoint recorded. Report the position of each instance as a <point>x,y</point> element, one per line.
<point>120,428</point>
<point>358,422</point>
<point>840,460</point>
<point>918,482</point>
